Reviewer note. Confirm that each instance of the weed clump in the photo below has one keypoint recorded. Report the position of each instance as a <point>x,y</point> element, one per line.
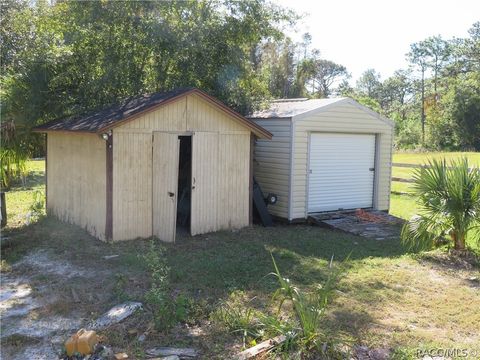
<point>168,308</point>
<point>298,318</point>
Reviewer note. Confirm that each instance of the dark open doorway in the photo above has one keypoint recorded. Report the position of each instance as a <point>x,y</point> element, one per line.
<point>184,183</point>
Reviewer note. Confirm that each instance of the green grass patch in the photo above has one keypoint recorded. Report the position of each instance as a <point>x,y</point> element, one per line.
<point>387,298</point>
<point>403,206</point>
<point>423,158</point>
<point>20,197</point>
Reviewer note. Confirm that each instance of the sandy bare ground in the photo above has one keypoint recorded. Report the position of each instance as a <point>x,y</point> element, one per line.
<point>30,329</point>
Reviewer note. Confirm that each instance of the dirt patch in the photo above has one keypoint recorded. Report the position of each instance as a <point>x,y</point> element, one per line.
<point>452,260</point>
<point>28,332</point>
<point>41,261</point>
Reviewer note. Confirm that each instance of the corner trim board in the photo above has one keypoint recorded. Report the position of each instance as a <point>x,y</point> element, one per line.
<point>109,190</point>
<point>250,185</point>
<point>46,174</point>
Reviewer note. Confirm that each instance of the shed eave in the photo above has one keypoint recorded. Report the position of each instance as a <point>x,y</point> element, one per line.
<point>318,109</point>
<point>371,112</point>
<point>44,131</point>
<point>254,128</point>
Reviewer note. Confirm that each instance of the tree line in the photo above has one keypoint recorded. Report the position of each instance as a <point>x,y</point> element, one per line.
<point>64,58</point>
<point>434,101</point>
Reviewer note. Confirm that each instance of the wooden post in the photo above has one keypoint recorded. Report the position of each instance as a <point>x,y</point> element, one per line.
<point>423,107</point>
<point>3,206</point>
<point>46,173</point>
<point>250,191</point>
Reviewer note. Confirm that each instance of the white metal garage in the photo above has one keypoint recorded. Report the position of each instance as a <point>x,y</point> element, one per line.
<point>341,171</point>
<point>325,155</point>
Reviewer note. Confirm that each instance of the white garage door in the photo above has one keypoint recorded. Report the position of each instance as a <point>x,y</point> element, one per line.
<point>341,171</point>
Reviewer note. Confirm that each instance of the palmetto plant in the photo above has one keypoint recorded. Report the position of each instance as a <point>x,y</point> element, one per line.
<point>449,201</point>
<point>13,155</point>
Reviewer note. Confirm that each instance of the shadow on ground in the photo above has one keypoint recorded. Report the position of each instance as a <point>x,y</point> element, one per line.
<point>207,268</point>
<point>219,261</point>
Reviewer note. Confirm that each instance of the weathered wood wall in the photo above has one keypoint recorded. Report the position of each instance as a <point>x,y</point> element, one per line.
<point>222,200</point>
<point>76,171</point>
<point>132,185</point>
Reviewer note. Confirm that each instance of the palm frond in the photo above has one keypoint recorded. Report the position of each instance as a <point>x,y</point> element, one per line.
<point>448,197</point>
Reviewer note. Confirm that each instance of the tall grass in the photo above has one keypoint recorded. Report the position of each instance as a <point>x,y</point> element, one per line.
<point>237,316</point>
<point>309,306</point>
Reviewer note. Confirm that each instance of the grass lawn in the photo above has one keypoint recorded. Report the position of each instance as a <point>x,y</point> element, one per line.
<point>423,158</point>
<point>387,298</point>
<point>20,196</point>
<point>383,301</point>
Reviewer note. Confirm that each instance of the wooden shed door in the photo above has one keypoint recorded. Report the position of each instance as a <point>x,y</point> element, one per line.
<point>204,182</point>
<point>165,183</point>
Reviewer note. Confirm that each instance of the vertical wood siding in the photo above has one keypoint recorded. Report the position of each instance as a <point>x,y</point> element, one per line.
<point>132,185</point>
<point>171,117</point>
<point>203,116</point>
<point>226,173</point>
<point>205,176</point>
<point>77,180</point>
<point>166,149</point>
<point>272,163</point>
<point>233,181</point>
<point>343,118</point>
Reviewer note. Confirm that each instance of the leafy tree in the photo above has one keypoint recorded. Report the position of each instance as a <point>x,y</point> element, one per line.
<point>322,74</point>
<point>66,58</point>
<point>369,84</point>
<point>418,56</point>
<point>278,64</point>
<point>462,111</point>
<point>397,94</point>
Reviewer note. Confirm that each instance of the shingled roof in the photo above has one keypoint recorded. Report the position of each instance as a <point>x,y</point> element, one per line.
<point>100,121</point>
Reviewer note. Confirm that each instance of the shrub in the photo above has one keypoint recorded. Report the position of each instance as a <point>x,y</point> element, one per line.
<point>37,208</point>
<point>449,202</point>
<point>119,287</point>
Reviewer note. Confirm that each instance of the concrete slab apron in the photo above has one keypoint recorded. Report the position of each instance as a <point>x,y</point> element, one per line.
<point>382,226</point>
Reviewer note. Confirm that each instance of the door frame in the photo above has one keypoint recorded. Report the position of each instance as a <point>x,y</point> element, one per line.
<point>375,162</point>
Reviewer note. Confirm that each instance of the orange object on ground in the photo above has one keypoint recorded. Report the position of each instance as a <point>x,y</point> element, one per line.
<point>82,342</point>
<point>366,216</point>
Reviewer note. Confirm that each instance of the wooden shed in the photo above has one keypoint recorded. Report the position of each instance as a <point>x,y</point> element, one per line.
<point>151,165</point>
<point>325,155</point>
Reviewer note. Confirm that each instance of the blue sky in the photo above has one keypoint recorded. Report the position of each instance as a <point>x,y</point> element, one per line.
<point>377,34</point>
